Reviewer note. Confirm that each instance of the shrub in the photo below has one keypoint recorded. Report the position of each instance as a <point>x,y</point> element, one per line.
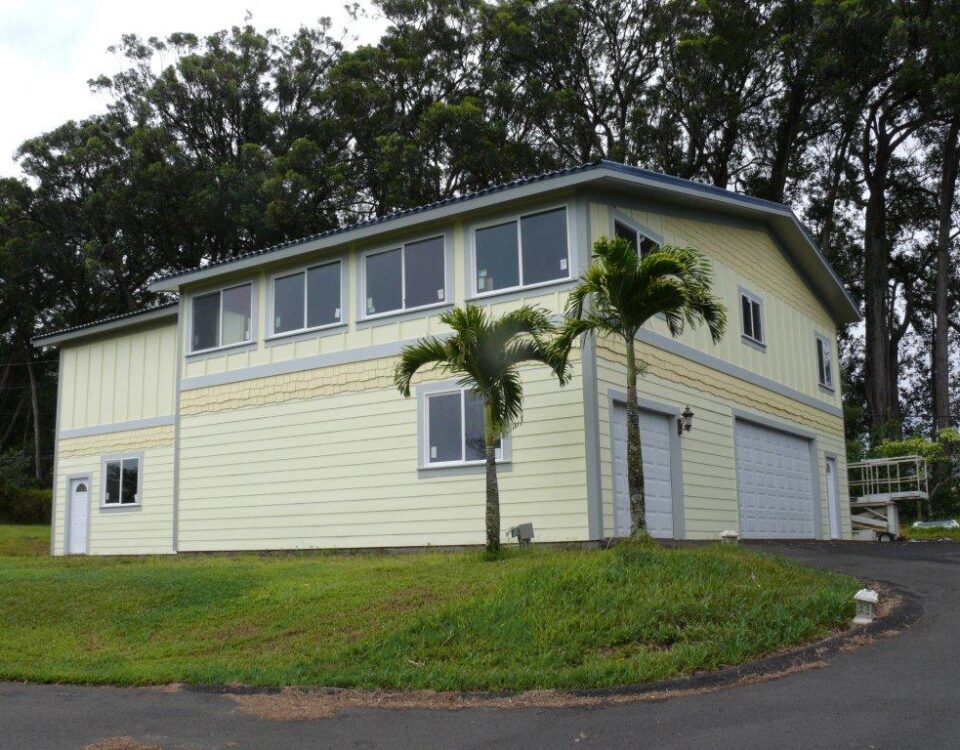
<point>29,505</point>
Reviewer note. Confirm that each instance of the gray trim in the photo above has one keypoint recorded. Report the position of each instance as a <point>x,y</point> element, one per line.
<point>68,480</point>
<point>106,429</point>
<point>617,215</point>
<point>219,351</point>
<point>222,351</point>
<point>759,344</point>
<point>399,316</point>
<point>753,344</point>
<point>708,360</point>
<point>549,287</point>
<point>113,458</point>
<point>829,456</point>
<point>178,379</point>
<point>741,415</point>
<point>129,320</point>
<point>819,337</point>
<point>591,442</point>
<point>56,455</point>
<point>424,469</point>
<point>615,396</point>
<point>314,333</point>
<point>268,317</point>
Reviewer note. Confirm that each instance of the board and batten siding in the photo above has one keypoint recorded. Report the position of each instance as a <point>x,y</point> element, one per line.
<point>145,529</point>
<point>707,452</point>
<point>328,458</point>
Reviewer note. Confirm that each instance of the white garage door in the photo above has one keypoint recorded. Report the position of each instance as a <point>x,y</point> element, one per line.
<point>655,440</point>
<point>775,482</point>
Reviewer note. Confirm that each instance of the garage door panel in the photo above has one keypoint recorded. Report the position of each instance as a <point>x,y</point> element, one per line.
<point>775,483</point>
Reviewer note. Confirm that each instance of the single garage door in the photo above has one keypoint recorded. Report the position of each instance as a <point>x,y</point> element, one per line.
<point>658,483</point>
<point>775,482</point>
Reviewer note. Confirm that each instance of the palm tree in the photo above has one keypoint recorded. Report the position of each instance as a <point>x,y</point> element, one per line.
<point>485,352</point>
<point>619,293</point>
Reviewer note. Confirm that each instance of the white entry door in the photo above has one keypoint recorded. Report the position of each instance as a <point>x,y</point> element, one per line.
<point>79,516</point>
<point>775,480</point>
<point>657,474</point>
<point>833,506</point>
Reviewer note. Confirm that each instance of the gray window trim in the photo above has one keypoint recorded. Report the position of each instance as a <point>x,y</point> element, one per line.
<point>821,339</point>
<point>423,392</point>
<point>250,343</point>
<point>761,343</point>
<point>401,245</point>
<point>303,268</point>
<point>68,480</point>
<point>619,217</point>
<point>113,458</point>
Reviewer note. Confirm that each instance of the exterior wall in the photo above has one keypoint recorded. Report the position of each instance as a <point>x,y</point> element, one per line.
<point>145,529</point>
<point>328,458</point>
<point>126,377</point>
<point>707,452</point>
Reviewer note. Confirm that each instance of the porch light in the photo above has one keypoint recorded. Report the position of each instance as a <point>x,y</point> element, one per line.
<point>685,421</point>
<point>866,600</point>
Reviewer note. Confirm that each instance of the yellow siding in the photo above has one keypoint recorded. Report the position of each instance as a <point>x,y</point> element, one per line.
<point>147,529</point>
<point>709,469</point>
<point>336,466</point>
<point>745,256</point>
<point>126,377</point>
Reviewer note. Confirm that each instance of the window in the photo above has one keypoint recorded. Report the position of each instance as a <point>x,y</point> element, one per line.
<point>222,318</point>
<point>638,241</point>
<point>824,361</point>
<point>307,299</point>
<point>454,426</point>
<point>531,250</point>
<point>121,481</point>
<point>406,277</point>
<point>752,314</point>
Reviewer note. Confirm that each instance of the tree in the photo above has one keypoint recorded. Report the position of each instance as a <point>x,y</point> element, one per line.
<point>486,353</point>
<point>621,292</point>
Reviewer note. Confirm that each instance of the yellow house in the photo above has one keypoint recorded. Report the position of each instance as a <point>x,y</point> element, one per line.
<point>259,411</point>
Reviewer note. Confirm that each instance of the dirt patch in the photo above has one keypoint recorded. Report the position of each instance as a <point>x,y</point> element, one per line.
<point>121,743</point>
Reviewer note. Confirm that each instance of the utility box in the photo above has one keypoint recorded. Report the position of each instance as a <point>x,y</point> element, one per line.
<point>523,533</point>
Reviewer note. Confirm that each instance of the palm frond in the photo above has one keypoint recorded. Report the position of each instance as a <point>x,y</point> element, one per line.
<point>425,352</point>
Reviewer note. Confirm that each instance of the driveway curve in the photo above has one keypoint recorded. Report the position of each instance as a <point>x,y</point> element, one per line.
<point>898,692</point>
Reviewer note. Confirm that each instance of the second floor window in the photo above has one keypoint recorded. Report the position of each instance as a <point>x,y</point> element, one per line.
<point>638,241</point>
<point>751,311</point>
<point>222,318</point>
<point>307,299</point>
<point>530,250</point>
<point>824,362</point>
<point>404,278</point>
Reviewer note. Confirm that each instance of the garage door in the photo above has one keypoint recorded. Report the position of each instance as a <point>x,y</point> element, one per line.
<point>655,439</point>
<point>775,483</point>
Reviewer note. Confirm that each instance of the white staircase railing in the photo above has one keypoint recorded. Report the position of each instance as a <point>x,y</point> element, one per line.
<point>901,478</point>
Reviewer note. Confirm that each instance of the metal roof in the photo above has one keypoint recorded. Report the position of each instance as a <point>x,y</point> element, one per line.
<point>165,310</point>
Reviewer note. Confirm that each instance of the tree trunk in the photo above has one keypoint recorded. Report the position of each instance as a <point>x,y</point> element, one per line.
<point>635,483</point>
<point>11,424</point>
<point>941,359</point>
<point>35,404</point>
<point>493,489</point>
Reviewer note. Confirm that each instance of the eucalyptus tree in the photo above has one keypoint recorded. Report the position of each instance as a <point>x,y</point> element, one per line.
<point>486,353</point>
<point>618,294</point>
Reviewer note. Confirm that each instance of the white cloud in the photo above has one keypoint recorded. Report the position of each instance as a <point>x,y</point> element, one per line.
<point>49,49</point>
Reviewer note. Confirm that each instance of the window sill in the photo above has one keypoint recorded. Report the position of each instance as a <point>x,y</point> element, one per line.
<point>219,349</point>
<point>758,345</point>
<point>304,332</point>
<point>119,506</point>
<point>827,389</point>
<point>524,288</point>
<point>411,312</point>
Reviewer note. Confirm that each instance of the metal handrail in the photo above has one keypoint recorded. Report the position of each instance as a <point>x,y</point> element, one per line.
<point>904,476</point>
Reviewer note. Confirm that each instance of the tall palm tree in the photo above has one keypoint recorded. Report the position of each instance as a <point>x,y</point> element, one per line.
<point>485,352</point>
<point>619,293</point>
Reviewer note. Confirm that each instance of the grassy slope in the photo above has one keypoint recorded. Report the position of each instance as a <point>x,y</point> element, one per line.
<point>541,619</point>
<point>911,533</point>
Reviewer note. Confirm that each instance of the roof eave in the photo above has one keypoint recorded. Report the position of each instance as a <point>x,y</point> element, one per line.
<point>95,329</point>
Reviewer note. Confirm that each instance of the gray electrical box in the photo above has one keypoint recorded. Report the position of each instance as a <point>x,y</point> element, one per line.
<point>523,533</point>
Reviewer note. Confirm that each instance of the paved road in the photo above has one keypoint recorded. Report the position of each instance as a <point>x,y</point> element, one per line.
<point>900,692</point>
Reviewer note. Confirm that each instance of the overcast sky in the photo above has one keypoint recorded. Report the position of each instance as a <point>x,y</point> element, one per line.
<point>50,48</point>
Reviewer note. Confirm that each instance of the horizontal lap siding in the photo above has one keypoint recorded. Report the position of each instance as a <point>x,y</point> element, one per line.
<point>147,529</point>
<point>261,468</point>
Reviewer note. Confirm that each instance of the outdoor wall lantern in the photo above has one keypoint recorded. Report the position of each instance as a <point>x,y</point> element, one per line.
<point>685,421</point>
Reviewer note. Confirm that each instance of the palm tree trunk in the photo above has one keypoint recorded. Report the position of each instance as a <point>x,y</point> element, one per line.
<point>638,517</point>
<point>493,489</point>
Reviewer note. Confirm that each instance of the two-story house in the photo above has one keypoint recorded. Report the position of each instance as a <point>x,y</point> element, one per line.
<point>259,412</point>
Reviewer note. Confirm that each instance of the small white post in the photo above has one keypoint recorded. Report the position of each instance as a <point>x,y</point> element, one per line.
<point>866,600</point>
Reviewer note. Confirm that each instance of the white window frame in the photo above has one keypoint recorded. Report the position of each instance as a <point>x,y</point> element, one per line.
<point>475,293</point>
<point>304,269</point>
<point>758,301</point>
<point>426,463</point>
<point>402,247</point>
<point>641,235</point>
<point>251,334</point>
<point>824,348</point>
<point>120,458</point>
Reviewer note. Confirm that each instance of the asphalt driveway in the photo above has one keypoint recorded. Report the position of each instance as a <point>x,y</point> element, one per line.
<point>899,692</point>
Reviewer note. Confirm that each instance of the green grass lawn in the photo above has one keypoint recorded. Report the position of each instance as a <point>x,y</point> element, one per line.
<point>910,533</point>
<point>447,621</point>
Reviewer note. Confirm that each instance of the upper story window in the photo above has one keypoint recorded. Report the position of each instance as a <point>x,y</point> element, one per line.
<point>121,481</point>
<point>307,299</point>
<point>751,312</point>
<point>824,361</point>
<point>222,318</point>
<point>530,250</point>
<point>637,239</point>
<point>407,277</point>
<point>454,429</point>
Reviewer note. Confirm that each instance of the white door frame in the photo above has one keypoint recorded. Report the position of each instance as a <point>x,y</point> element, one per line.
<point>68,515</point>
<point>833,496</point>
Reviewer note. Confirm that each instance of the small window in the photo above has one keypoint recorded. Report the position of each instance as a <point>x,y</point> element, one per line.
<point>405,278</point>
<point>121,482</point>
<point>752,315</point>
<point>824,362</point>
<point>638,241</point>
<point>455,431</point>
<point>531,250</point>
<point>222,318</point>
<point>307,299</point>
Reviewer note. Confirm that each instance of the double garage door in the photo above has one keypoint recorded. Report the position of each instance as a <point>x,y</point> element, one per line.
<point>775,482</point>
